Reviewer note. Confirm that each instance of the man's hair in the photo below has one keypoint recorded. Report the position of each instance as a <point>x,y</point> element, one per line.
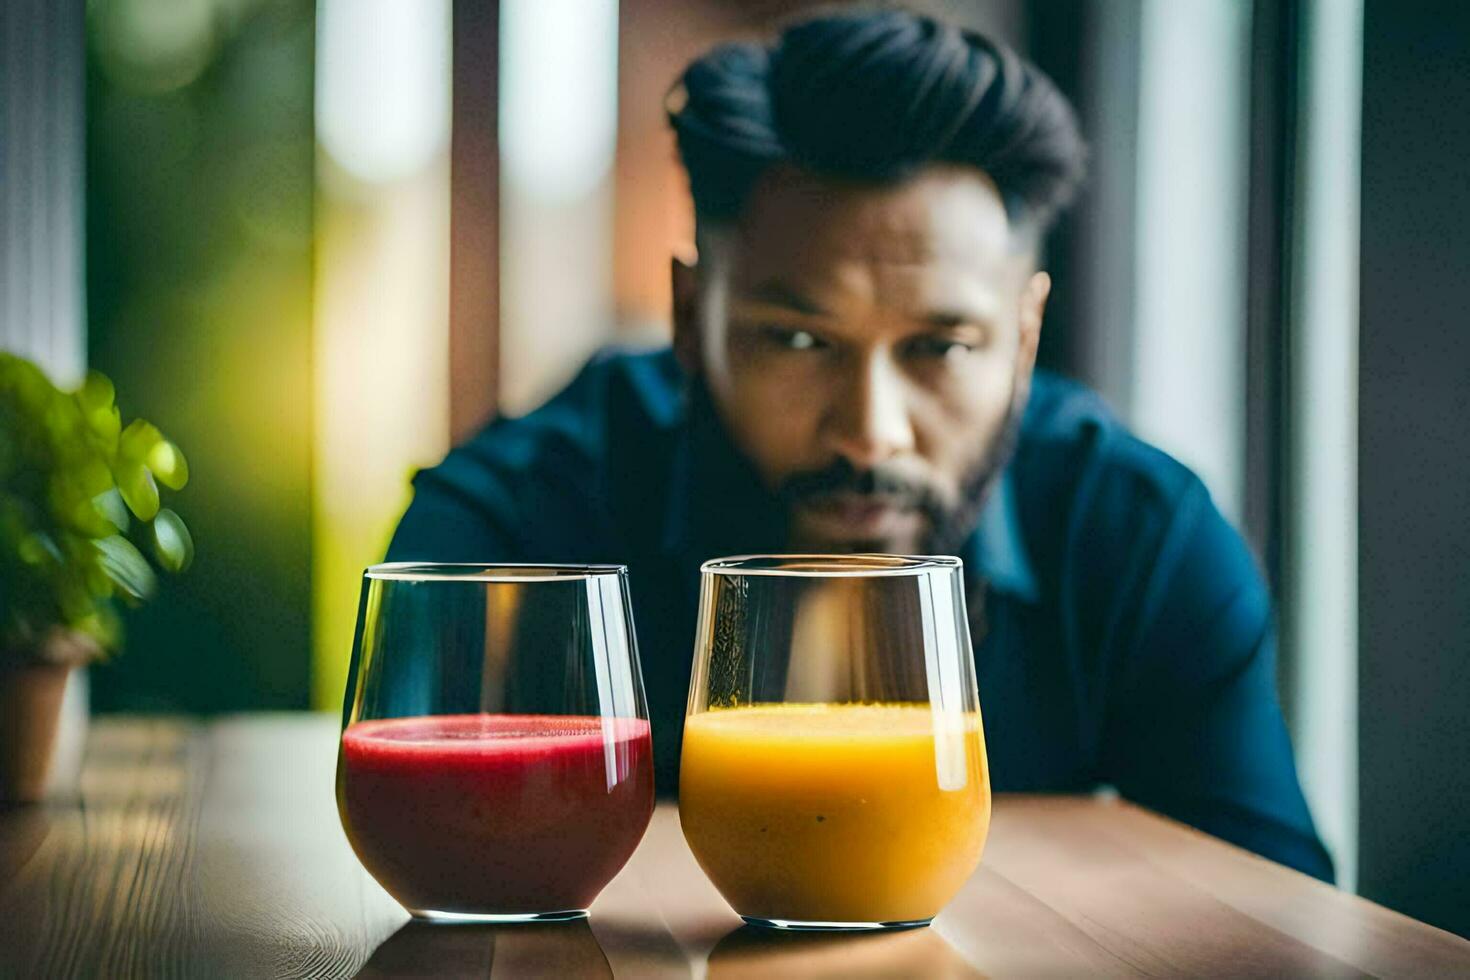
<point>875,96</point>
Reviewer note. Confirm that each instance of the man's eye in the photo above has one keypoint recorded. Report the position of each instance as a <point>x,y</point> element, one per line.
<point>789,339</point>
<point>938,347</point>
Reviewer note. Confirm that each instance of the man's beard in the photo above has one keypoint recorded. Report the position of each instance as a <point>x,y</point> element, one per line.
<point>948,524</point>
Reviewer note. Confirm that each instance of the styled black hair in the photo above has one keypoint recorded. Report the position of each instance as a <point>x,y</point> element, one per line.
<point>875,96</point>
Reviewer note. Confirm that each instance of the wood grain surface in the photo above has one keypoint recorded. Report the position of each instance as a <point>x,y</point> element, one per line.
<point>213,850</point>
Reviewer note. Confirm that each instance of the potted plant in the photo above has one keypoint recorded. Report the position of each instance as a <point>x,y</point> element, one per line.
<point>79,509</point>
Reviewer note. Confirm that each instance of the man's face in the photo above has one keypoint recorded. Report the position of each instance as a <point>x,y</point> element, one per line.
<point>866,348</point>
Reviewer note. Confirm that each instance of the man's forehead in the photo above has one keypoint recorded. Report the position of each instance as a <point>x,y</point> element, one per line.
<point>945,213</point>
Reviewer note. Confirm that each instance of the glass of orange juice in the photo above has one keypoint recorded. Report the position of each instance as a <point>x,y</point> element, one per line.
<point>833,772</point>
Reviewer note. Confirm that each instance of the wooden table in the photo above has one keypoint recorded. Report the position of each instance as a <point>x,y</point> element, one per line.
<point>213,850</point>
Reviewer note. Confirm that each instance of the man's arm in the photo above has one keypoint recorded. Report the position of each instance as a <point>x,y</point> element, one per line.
<point>1194,728</point>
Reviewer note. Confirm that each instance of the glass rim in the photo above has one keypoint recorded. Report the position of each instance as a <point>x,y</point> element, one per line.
<point>498,572</point>
<point>863,565</point>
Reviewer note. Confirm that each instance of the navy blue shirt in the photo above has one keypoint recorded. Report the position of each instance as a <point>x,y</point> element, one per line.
<point>1124,636</point>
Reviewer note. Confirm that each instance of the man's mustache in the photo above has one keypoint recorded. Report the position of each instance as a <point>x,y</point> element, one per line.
<point>841,477</point>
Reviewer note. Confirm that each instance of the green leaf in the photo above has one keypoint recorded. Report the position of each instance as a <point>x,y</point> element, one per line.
<point>10,451</point>
<point>92,476</point>
<point>171,541</point>
<point>39,548</point>
<point>82,517</point>
<point>101,624</point>
<point>98,582</point>
<point>98,401</point>
<point>138,490</point>
<point>138,440</point>
<point>168,464</point>
<point>127,567</point>
<point>143,444</point>
<point>110,505</point>
<point>32,390</point>
<point>73,598</point>
<point>97,391</point>
<point>73,497</point>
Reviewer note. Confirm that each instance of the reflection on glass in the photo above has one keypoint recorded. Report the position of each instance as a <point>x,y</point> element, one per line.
<point>760,954</point>
<point>496,762</point>
<point>565,950</point>
<point>834,771</point>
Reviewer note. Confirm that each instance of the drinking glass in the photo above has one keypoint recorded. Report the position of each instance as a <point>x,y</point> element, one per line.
<point>495,762</point>
<point>834,772</point>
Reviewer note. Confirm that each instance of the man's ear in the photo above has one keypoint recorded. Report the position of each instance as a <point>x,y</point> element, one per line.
<point>685,278</point>
<point>1033,306</point>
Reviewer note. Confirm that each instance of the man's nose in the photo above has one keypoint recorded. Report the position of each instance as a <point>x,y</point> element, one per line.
<point>869,422</point>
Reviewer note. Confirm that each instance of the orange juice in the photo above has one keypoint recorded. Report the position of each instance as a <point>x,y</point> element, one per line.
<point>850,813</point>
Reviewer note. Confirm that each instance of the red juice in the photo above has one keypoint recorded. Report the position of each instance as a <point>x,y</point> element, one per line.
<point>495,814</point>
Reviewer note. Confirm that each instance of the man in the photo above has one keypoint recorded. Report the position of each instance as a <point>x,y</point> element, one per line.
<point>853,371</point>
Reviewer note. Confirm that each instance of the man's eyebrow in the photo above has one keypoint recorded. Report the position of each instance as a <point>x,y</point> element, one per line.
<point>948,319</point>
<point>779,294</point>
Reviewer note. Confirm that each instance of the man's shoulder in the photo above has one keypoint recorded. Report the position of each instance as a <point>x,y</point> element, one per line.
<point>616,390</point>
<point>1070,438</point>
<point>638,381</point>
<point>615,381</point>
<point>1121,530</point>
<point>548,485</point>
<point>1093,497</point>
<point>617,416</point>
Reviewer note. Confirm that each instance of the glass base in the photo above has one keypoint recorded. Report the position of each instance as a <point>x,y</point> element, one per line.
<point>495,918</point>
<point>797,925</point>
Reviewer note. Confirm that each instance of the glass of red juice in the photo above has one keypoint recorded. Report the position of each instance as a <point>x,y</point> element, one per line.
<point>496,763</point>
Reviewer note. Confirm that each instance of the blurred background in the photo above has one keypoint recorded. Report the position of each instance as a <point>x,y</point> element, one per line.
<point>318,243</point>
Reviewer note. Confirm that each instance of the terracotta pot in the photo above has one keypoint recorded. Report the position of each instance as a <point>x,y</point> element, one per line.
<point>30,707</point>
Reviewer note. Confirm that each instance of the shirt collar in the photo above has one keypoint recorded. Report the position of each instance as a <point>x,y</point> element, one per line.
<point>996,550</point>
